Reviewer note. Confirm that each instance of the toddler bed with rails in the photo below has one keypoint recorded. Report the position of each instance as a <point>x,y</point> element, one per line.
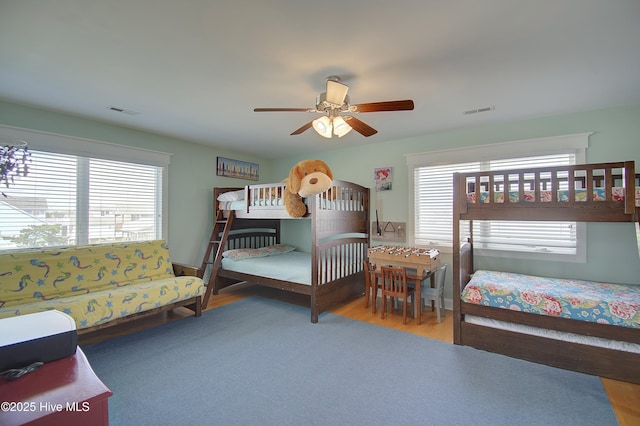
<point>578,325</point>
<point>330,273</point>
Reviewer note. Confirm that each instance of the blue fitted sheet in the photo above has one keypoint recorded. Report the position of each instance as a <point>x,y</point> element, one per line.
<point>294,266</point>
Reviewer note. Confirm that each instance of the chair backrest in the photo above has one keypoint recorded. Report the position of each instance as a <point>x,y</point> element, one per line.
<point>442,272</point>
<point>368,269</point>
<point>394,279</point>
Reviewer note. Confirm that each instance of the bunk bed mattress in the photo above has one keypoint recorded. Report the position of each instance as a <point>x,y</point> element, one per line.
<point>554,334</point>
<point>242,204</point>
<point>605,303</point>
<point>545,196</point>
<point>294,266</point>
<point>342,205</point>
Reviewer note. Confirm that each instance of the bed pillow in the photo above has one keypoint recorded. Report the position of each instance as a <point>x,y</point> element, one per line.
<point>232,195</point>
<point>246,253</point>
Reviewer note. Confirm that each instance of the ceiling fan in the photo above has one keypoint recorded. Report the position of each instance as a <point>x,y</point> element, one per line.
<point>333,103</point>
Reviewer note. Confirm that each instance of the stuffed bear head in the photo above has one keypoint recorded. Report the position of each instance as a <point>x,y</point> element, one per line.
<point>309,177</point>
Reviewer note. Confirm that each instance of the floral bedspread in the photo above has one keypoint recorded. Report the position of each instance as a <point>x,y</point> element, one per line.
<point>616,304</point>
<point>545,196</point>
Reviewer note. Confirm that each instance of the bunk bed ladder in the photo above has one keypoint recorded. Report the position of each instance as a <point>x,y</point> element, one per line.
<point>216,246</point>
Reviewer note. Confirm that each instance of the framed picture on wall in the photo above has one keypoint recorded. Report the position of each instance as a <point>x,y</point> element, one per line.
<point>383,178</point>
<point>237,169</point>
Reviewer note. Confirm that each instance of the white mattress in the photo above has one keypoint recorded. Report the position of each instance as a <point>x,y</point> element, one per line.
<point>242,204</point>
<point>340,205</point>
<point>554,334</point>
<point>294,266</point>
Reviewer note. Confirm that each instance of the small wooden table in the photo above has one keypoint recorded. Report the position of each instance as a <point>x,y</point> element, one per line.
<point>424,261</point>
<point>62,392</point>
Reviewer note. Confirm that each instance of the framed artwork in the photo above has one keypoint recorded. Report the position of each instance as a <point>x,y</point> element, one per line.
<point>383,178</point>
<point>237,169</point>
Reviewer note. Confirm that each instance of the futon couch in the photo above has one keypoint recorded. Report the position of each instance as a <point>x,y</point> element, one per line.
<point>99,284</point>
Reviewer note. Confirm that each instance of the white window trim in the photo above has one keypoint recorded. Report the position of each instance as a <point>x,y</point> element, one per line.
<point>63,144</point>
<point>576,143</point>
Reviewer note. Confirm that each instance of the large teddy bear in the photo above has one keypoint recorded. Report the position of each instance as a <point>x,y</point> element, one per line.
<point>307,178</point>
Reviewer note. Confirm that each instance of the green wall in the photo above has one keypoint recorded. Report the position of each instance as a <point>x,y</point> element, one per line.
<point>612,254</point>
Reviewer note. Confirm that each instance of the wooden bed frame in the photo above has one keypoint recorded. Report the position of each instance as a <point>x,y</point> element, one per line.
<point>593,360</point>
<point>339,240</point>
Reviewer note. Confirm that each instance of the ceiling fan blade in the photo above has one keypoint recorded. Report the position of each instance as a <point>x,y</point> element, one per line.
<point>282,110</point>
<point>360,126</point>
<point>406,105</point>
<point>303,128</point>
<point>336,92</point>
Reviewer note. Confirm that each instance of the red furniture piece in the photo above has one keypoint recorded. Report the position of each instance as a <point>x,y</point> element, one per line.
<point>63,392</point>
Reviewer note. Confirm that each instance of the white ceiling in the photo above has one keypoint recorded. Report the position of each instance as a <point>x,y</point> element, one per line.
<point>195,69</point>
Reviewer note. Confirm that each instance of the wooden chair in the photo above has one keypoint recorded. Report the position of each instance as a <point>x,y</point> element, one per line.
<point>435,294</point>
<point>371,285</point>
<point>394,285</point>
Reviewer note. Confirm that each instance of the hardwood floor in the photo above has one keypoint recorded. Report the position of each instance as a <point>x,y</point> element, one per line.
<point>624,397</point>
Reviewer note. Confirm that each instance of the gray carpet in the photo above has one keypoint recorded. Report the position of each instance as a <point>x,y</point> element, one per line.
<point>261,362</point>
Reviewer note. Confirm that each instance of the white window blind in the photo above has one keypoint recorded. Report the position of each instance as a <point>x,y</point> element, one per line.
<point>433,215</point>
<point>433,203</point>
<point>67,199</point>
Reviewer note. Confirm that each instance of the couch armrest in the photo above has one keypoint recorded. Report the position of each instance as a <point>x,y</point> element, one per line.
<point>180,269</point>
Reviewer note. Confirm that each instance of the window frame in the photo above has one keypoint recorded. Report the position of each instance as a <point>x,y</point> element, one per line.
<point>90,148</point>
<point>572,143</point>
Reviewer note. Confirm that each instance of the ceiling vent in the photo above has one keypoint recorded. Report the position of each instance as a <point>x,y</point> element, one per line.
<point>475,111</point>
<point>122,110</point>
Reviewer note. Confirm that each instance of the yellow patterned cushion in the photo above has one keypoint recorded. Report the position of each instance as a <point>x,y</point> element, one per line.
<point>97,308</point>
<point>92,283</point>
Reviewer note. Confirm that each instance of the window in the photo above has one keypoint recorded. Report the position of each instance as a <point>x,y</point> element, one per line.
<point>70,199</point>
<point>433,223</point>
<point>432,211</point>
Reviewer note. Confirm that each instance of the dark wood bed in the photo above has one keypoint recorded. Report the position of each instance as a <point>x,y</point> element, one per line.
<point>339,240</point>
<point>615,364</point>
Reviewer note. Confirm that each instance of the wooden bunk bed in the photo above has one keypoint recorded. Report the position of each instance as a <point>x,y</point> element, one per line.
<point>542,194</point>
<point>251,219</point>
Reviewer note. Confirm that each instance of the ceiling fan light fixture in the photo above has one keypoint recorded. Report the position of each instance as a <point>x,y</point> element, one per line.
<point>323,126</point>
<point>336,92</point>
<point>334,102</point>
<point>340,127</point>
